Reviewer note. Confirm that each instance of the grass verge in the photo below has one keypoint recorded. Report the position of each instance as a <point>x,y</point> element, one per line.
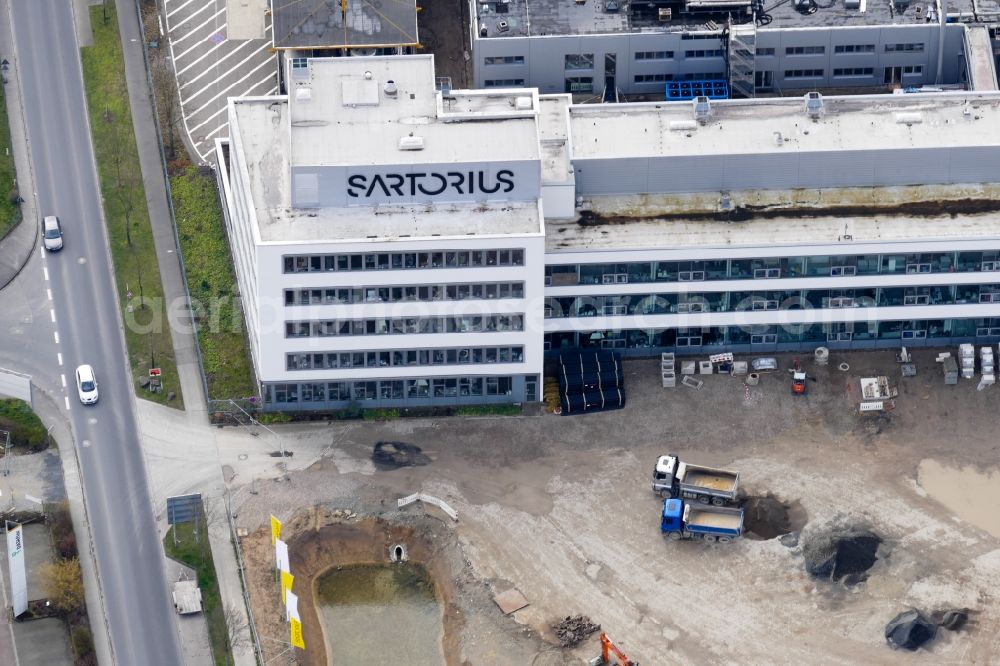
<point>212,283</point>
<point>196,553</point>
<point>147,332</point>
<point>10,211</point>
<point>25,428</point>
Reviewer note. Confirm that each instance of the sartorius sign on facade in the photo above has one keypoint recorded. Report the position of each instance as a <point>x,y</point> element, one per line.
<point>337,187</point>
<point>433,184</point>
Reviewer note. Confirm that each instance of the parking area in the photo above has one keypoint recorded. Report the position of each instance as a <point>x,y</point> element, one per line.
<point>560,507</point>
<point>41,642</point>
<point>210,67</point>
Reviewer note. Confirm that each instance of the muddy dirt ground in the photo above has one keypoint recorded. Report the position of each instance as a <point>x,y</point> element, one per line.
<point>560,508</point>
<point>442,27</point>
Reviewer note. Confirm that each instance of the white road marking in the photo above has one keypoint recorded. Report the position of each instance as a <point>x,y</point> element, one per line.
<point>187,19</point>
<point>86,443</point>
<point>183,5</point>
<point>66,399</point>
<point>52,314</point>
<point>211,69</point>
<point>196,45</point>
<point>48,292</point>
<point>56,334</point>
<point>222,110</point>
<point>194,30</point>
<point>213,133</point>
<point>46,271</point>
<point>232,85</point>
<point>41,250</point>
<point>218,64</point>
<point>32,498</point>
<point>63,378</point>
<point>91,420</point>
<point>59,354</point>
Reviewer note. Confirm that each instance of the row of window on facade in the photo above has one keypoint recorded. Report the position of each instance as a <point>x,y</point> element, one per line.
<point>905,70</point>
<point>387,389</point>
<point>577,61</point>
<point>791,299</point>
<point>403,294</point>
<point>494,323</point>
<point>379,261</point>
<point>773,268</point>
<point>403,358</point>
<point>722,336</point>
<point>838,72</point>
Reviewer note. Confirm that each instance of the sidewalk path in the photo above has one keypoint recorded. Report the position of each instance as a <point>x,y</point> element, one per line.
<point>17,246</point>
<point>154,180</point>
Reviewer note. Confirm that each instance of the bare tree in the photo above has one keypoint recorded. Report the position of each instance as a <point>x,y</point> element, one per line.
<point>236,627</point>
<point>164,82</point>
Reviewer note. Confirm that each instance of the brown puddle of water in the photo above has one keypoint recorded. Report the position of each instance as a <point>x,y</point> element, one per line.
<point>971,494</point>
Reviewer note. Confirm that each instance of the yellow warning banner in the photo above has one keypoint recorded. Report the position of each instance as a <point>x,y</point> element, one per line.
<point>286,585</point>
<point>296,628</point>
<point>275,530</point>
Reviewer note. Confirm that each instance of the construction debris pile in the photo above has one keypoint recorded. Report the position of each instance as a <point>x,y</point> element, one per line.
<point>574,629</point>
<point>909,630</point>
<point>841,554</point>
<point>393,455</point>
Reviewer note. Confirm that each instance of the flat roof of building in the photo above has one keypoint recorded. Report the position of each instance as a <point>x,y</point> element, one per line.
<point>781,125</point>
<point>303,24</point>
<point>263,138</point>
<point>847,216</point>
<point>537,18</point>
<point>553,137</point>
<point>341,114</point>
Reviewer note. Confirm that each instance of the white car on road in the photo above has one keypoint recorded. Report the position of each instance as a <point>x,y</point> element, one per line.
<point>52,235</point>
<point>86,384</point>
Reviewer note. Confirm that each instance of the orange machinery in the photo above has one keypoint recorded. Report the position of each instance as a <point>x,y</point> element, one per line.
<point>609,650</point>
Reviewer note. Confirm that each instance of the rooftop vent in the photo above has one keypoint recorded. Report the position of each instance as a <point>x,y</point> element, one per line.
<point>411,142</point>
<point>303,94</point>
<point>909,118</point>
<point>390,88</point>
<point>814,105</point>
<point>523,103</point>
<point>683,125</point>
<point>702,110</point>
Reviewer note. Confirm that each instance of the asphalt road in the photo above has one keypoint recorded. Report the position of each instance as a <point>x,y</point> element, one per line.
<point>129,555</point>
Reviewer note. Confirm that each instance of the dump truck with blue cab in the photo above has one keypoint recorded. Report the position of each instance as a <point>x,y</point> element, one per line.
<point>684,520</point>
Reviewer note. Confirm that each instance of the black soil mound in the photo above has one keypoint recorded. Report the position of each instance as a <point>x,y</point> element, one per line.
<point>909,630</point>
<point>393,455</point>
<point>951,619</point>
<point>767,517</point>
<point>574,629</point>
<point>840,554</point>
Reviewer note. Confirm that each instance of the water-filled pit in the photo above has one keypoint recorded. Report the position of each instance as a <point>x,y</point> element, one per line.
<point>379,614</point>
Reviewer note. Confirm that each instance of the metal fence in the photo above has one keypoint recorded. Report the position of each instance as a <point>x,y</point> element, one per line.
<point>15,385</point>
<point>234,537</point>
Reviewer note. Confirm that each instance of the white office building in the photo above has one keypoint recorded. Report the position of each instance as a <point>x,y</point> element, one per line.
<point>400,246</point>
<point>615,48</point>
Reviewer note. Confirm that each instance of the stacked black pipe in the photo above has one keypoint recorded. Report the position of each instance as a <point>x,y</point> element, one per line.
<point>591,382</point>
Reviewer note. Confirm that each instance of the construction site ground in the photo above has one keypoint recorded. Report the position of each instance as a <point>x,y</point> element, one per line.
<point>560,508</point>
